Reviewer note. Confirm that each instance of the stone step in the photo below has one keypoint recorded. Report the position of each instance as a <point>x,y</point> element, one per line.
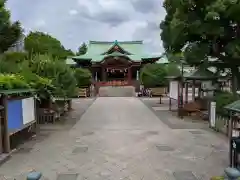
<point>120,91</point>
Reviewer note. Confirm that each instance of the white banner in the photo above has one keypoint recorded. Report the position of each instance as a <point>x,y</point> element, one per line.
<point>28,108</point>
<point>173,90</point>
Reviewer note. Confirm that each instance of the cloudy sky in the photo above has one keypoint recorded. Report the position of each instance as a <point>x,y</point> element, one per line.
<point>77,21</point>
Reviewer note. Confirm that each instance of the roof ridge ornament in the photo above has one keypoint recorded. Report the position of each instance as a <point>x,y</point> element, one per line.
<point>116,42</point>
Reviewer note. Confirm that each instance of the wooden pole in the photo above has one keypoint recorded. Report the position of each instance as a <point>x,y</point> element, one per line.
<point>36,115</point>
<point>6,138</point>
<point>170,104</point>
<point>230,140</point>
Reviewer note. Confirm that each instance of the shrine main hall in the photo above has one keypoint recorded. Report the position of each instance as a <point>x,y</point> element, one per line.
<point>115,61</point>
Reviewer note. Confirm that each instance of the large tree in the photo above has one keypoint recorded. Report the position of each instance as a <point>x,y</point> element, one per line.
<point>173,69</point>
<point>62,76</point>
<point>42,43</point>
<point>204,30</point>
<point>9,32</point>
<point>82,49</point>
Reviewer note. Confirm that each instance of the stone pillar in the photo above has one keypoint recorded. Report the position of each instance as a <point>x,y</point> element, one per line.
<point>212,114</point>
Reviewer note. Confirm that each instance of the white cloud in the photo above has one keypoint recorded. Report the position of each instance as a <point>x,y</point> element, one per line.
<point>73,12</point>
<point>40,23</point>
<point>93,20</point>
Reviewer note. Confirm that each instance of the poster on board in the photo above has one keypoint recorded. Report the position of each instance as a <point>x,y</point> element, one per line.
<point>28,110</point>
<point>173,90</point>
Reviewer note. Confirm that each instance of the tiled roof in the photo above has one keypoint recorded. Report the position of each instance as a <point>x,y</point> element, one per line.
<point>97,49</point>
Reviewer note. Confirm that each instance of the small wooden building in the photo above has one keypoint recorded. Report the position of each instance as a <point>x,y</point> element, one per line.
<point>201,79</point>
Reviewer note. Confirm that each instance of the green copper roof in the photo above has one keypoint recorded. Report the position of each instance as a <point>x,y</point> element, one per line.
<point>235,106</point>
<point>116,43</point>
<point>117,54</point>
<point>97,49</point>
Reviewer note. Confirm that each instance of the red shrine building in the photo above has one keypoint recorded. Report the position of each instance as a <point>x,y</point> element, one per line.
<point>115,62</point>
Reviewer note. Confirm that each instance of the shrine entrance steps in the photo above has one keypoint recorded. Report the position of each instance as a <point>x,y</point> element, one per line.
<point>116,91</point>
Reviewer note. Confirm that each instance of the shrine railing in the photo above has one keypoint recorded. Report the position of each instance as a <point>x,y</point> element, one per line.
<point>114,83</point>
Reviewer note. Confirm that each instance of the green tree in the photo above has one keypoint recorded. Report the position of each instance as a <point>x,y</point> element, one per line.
<point>41,43</point>
<point>8,67</point>
<point>12,81</point>
<point>175,58</point>
<point>61,76</point>
<point>82,49</point>
<point>203,30</point>
<point>9,32</point>
<point>43,86</point>
<point>153,75</point>
<point>69,52</point>
<point>173,69</point>
<point>222,99</point>
<point>10,62</point>
<point>83,77</point>
<point>16,57</point>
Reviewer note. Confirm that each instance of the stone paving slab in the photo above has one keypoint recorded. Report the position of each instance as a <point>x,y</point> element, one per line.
<point>160,108</point>
<point>120,138</point>
<point>170,117</point>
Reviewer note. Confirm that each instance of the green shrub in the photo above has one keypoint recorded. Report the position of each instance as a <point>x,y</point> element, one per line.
<point>8,67</point>
<point>12,81</point>
<point>62,76</point>
<point>222,99</point>
<point>83,77</point>
<point>10,62</point>
<point>153,75</point>
<point>217,178</point>
<point>43,86</point>
<point>15,57</point>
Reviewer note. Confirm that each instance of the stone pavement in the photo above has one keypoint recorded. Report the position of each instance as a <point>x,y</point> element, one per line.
<point>170,118</point>
<point>121,138</point>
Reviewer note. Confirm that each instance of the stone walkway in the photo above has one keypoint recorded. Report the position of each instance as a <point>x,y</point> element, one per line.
<point>121,138</point>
